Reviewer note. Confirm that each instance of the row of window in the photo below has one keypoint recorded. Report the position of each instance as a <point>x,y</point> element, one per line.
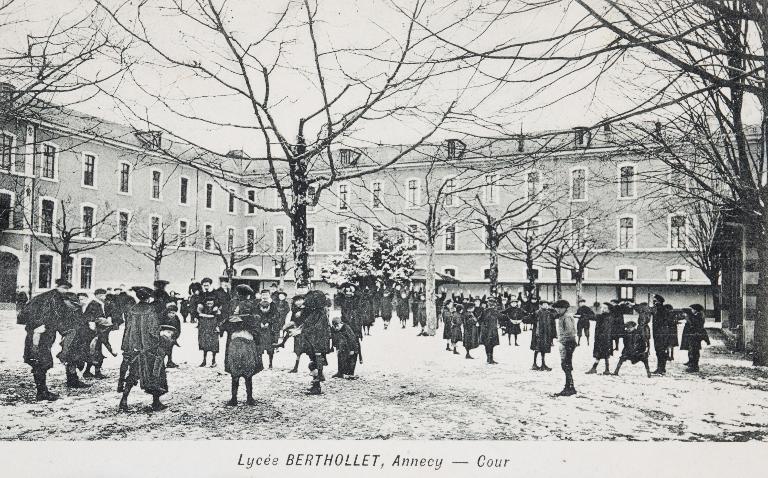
<point>626,228</point>
<point>45,271</point>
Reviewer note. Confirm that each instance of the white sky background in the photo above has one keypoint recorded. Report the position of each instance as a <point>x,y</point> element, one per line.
<point>347,24</point>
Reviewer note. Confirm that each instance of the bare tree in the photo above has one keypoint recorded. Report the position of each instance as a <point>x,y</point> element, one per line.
<point>68,230</point>
<point>164,238</point>
<point>286,79</point>
<point>231,254</point>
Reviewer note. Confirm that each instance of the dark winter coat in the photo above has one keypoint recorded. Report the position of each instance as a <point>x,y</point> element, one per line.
<point>386,306</point>
<point>635,346</point>
<point>402,307</point>
<point>421,312</point>
<point>349,313</point>
<point>46,309</point>
<point>316,328</point>
<point>660,329</point>
<point>585,315</point>
<point>94,310</point>
<point>602,347</point>
<point>144,347</point>
<point>208,319</point>
<point>471,333</point>
<point>345,340</point>
<point>695,333</point>
<point>122,303</point>
<point>489,327</point>
<point>544,331</point>
<point>299,341</point>
<point>241,353</point>
<point>266,324</point>
<point>617,324</point>
<point>364,309</point>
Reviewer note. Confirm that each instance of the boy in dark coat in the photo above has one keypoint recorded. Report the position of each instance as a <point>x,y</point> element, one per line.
<point>100,326</point>
<point>241,353</point>
<point>347,347</point>
<point>455,326</point>
<point>402,307</point>
<point>636,348</point>
<point>489,329</point>
<point>659,330</point>
<point>208,317</point>
<point>470,335</point>
<point>696,335</point>
<point>421,313</point>
<point>148,347</point>
<point>265,314</point>
<point>294,323</point>
<point>617,324</point>
<point>171,319</point>
<point>317,336</point>
<point>583,315</point>
<point>386,306</point>
<point>44,316</point>
<point>602,347</point>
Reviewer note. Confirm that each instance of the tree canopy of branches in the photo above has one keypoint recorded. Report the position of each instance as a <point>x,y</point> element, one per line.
<point>293,83</point>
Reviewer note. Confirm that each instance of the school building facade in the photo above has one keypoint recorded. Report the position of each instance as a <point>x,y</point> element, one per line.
<point>64,165</point>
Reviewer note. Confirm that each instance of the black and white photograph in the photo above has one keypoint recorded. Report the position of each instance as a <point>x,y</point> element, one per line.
<point>476,224</point>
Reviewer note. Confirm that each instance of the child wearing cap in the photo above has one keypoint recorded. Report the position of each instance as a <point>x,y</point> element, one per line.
<point>347,346</point>
<point>566,335</point>
<point>241,354</point>
<point>694,336</point>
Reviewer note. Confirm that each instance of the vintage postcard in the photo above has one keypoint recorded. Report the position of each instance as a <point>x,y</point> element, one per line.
<point>383,237</point>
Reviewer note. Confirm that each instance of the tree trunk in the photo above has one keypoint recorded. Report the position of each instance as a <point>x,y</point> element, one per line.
<point>761,319</point>
<point>64,257</point>
<point>493,256</point>
<point>300,250</point>
<point>558,280</point>
<point>157,268</point>
<point>429,290</point>
<point>579,286</point>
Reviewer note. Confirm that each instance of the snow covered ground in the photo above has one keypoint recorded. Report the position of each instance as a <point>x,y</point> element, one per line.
<point>409,388</point>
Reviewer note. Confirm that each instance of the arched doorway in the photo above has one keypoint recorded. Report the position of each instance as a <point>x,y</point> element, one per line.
<point>249,276</point>
<point>9,270</point>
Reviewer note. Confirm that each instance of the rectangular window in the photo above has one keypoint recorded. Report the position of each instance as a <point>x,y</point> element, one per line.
<point>677,232</point>
<point>69,268</point>
<point>376,194</point>
<point>231,205</point>
<point>183,187</point>
<point>279,239</point>
<point>491,194</point>
<point>450,185</point>
<point>155,184</point>
<point>413,230</point>
<point>578,232</point>
<point>208,237</point>
<point>342,238</point>
<point>230,239</point>
<point>183,233</point>
<point>49,161</point>
<point>578,185</point>
<point>154,229</point>
<point>86,272</point>
<point>311,239</point>
<point>209,196</point>
<point>677,275</point>
<point>450,272</point>
<point>450,238</point>
<point>123,226</point>
<point>627,182</point>
<point>413,193</point>
<point>46,221</point>
<point>125,178</point>
<point>6,211</point>
<point>250,240</point>
<point>89,170</point>
<point>532,184</point>
<point>87,221</point>
<point>626,233</point>
<point>626,292</point>
<point>251,201</point>
<point>451,149</point>
<point>45,272</point>
<point>6,153</point>
<point>343,196</point>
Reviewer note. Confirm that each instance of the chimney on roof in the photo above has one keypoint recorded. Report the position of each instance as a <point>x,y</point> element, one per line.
<point>150,139</point>
<point>455,148</point>
<point>657,129</point>
<point>521,143</point>
<point>582,136</point>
